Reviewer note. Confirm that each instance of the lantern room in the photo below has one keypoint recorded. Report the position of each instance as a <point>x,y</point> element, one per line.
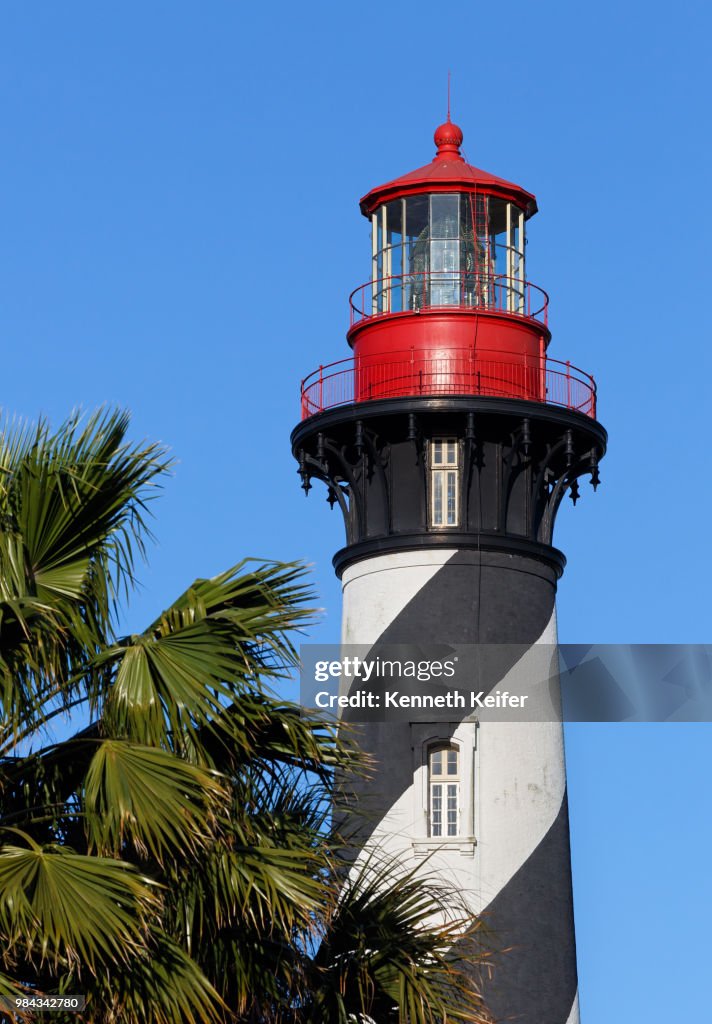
<point>447,249</point>
<point>448,241</point>
<point>453,245</point>
<point>448,308</point>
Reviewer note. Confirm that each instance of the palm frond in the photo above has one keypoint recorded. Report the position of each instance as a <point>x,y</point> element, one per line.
<point>60,906</point>
<point>386,950</point>
<point>163,985</point>
<point>72,520</point>
<point>10,991</point>
<point>263,604</point>
<point>151,799</point>
<point>209,651</point>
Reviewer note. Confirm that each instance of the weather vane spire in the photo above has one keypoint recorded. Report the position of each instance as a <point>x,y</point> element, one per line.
<point>448,96</point>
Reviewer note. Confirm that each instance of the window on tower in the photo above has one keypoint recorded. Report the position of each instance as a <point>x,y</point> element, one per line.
<point>444,790</point>
<point>444,482</point>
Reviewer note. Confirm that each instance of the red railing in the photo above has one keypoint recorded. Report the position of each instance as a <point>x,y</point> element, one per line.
<point>449,290</point>
<point>461,372</point>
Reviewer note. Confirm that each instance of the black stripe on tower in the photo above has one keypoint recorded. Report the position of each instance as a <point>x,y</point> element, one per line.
<point>533,919</point>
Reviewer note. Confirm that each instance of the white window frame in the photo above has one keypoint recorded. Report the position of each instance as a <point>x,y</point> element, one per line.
<point>424,739</point>
<point>444,791</point>
<point>444,462</point>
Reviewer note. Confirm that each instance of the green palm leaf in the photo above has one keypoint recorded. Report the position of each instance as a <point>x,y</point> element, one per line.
<point>382,950</point>
<point>10,991</point>
<point>162,986</point>
<point>65,907</point>
<point>204,654</point>
<point>148,797</point>
<point>72,519</point>
<point>166,686</point>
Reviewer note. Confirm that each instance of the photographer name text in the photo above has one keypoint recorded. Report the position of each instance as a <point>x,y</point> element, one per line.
<point>395,699</point>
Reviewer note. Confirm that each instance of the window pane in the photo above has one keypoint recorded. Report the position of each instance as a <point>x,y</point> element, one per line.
<point>452,795</point>
<point>374,263</point>
<point>451,453</point>
<point>395,216</point>
<point>498,235</point>
<point>451,498</point>
<point>436,762</point>
<point>415,238</point>
<point>394,254</point>
<point>445,258</point>
<point>445,216</point>
<point>444,250</point>
<point>452,762</point>
<point>479,260</point>
<point>416,219</point>
<point>438,499</point>
<point>437,452</point>
<point>436,810</point>
<point>444,273</point>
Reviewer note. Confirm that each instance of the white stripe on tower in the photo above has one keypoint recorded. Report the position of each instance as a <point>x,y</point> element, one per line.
<point>511,858</point>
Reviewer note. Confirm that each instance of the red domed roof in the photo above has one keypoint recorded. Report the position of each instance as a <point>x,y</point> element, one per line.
<point>448,172</point>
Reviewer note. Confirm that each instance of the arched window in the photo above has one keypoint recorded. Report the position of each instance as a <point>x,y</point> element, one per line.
<point>444,790</point>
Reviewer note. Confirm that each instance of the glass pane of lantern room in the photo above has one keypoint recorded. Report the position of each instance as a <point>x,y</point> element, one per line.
<point>378,271</point>
<point>498,251</point>
<point>416,240</point>
<point>445,250</point>
<point>517,250</point>
<point>394,254</point>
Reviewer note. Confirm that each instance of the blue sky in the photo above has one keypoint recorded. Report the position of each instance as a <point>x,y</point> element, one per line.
<point>180,232</point>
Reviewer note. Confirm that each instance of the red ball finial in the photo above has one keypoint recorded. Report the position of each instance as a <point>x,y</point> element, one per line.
<point>448,139</point>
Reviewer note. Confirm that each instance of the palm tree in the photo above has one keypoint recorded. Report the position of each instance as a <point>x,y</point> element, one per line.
<point>173,858</point>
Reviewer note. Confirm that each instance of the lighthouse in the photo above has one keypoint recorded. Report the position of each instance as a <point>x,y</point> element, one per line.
<point>449,438</point>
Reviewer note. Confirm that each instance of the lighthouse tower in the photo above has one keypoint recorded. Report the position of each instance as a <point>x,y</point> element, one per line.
<point>448,438</point>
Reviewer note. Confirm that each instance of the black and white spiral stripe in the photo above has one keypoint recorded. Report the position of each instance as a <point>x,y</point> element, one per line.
<point>518,874</point>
